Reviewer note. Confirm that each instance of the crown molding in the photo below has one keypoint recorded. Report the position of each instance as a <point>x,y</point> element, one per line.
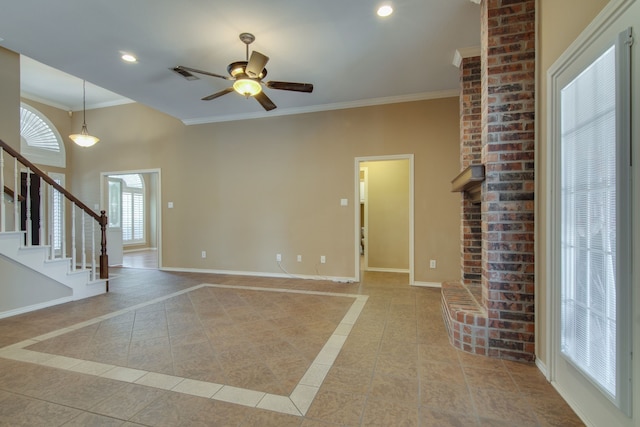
<point>464,52</point>
<point>326,107</point>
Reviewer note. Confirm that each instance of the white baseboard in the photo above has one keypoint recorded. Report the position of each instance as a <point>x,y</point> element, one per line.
<point>572,403</point>
<point>35,307</point>
<point>130,251</point>
<point>543,368</point>
<point>427,284</point>
<point>388,270</point>
<point>261,274</point>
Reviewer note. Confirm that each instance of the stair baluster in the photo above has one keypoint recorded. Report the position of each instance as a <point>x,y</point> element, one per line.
<point>43,237</point>
<point>16,205</point>
<point>83,253</point>
<point>74,258</point>
<point>3,216</point>
<point>27,223</point>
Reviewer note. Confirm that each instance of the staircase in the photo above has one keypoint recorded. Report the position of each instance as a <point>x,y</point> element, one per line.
<point>34,273</point>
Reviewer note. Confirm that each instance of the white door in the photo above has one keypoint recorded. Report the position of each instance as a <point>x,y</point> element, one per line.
<point>591,242</point>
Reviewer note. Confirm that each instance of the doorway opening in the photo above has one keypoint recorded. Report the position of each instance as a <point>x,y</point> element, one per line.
<point>384,219</point>
<point>132,202</point>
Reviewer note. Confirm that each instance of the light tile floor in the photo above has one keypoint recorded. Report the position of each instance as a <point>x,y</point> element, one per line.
<point>162,350</point>
<point>141,259</point>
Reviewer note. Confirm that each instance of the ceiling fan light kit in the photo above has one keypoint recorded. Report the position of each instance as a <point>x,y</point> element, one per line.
<point>247,77</point>
<point>247,87</point>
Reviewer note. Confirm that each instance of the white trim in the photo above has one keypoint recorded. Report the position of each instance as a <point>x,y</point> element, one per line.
<point>365,170</point>
<point>36,98</point>
<point>139,250</point>
<point>325,107</point>
<point>464,52</point>
<point>35,307</point>
<point>612,11</point>
<point>356,193</point>
<point>388,270</point>
<point>568,397</point>
<point>542,368</point>
<point>427,284</point>
<point>335,279</point>
<point>613,18</point>
<point>105,175</point>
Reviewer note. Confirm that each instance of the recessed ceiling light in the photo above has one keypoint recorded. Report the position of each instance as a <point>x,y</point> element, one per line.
<point>127,57</point>
<point>385,10</point>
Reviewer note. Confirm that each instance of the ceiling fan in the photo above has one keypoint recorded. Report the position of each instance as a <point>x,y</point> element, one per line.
<point>247,77</point>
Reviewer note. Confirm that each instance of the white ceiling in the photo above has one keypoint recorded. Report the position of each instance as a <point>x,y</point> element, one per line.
<point>353,57</point>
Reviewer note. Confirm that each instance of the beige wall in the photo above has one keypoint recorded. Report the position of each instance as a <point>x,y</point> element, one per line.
<point>560,23</point>
<point>244,191</point>
<point>10,98</point>
<point>388,214</point>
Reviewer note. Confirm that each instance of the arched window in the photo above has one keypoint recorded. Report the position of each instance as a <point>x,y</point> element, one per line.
<point>40,141</point>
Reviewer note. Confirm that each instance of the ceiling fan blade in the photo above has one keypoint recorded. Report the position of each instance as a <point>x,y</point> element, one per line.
<point>296,87</point>
<point>181,68</point>
<point>218,94</point>
<point>184,73</point>
<point>264,100</point>
<point>256,64</point>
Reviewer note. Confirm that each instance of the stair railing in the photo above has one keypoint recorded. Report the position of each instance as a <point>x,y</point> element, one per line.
<point>76,205</point>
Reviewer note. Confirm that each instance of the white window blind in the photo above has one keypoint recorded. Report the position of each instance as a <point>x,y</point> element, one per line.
<point>127,216</point>
<point>594,227</point>
<point>133,216</point>
<point>138,217</point>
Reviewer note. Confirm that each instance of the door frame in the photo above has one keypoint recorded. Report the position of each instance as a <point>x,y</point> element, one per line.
<point>356,209</point>
<point>585,398</point>
<point>104,177</point>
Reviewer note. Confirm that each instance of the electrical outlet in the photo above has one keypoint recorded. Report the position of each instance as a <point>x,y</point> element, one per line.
<point>299,258</point>
<point>323,259</point>
<point>278,257</point>
<point>432,263</point>
<point>204,254</point>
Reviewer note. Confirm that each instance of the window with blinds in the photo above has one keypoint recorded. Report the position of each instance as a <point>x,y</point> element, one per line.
<point>127,194</point>
<point>594,227</point>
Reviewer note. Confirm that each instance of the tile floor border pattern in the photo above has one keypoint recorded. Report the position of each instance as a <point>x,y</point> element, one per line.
<point>297,403</point>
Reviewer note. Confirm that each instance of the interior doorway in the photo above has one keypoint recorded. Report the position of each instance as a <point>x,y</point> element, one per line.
<point>384,220</point>
<point>132,202</point>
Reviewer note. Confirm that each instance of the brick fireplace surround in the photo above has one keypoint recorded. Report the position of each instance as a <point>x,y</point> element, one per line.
<point>490,311</point>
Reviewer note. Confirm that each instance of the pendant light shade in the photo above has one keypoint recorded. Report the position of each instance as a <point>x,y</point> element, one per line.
<point>83,139</point>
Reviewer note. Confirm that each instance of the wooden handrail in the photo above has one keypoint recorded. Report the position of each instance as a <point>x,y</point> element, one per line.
<point>48,179</point>
<point>9,192</point>
<point>100,218</point>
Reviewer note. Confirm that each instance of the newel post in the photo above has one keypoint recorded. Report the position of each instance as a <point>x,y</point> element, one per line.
<point>104,258</point>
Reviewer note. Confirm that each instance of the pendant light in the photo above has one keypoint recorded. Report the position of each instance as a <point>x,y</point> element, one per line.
<point>83,139</point>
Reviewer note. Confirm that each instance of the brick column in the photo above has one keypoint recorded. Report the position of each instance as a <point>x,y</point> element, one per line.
<point>508,84</point>
<point>470,153</point>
